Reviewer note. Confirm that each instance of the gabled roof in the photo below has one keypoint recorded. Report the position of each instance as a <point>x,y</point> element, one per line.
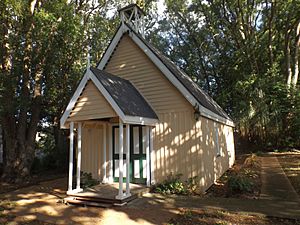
<point>127,102</point>
<point>130,101</point>
<point>195,90</point>
<point>189,89</point>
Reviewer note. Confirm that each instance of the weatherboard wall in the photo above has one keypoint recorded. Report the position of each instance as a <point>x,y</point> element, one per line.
<point>180,144</point>
<point>91,105</point>
<point>92,149</point>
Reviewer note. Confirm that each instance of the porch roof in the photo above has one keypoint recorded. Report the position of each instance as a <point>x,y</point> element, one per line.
<point>126,96</point>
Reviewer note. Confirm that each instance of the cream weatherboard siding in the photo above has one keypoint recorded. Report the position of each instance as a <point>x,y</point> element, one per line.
<point>92,149</point>
<point>130,62</point>
<point>183,146</point>
<point>180,144</point>
<point>91,105</point>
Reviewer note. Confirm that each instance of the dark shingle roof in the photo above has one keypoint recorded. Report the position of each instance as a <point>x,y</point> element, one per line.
<point>127,97</point>
<point>203,98</point>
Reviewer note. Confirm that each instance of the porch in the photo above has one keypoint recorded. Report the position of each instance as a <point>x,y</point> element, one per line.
<point>104,195</point>
<point>116,106</point>
<point>117,162</point>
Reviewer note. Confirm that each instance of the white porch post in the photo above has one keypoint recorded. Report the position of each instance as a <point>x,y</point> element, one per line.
<point>78,189</point>
<point>120,195</point>
<point>127,160</point>
<point>148,156</point>
<point>104,154</point>
<point>71,156</point>
<point>110,157</point>
<point>152,156</point>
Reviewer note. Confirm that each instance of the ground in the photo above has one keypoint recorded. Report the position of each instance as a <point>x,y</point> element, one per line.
<point>247,170</point>
<point>41,204</point>
<point>290,163</point>
<point>208,216</point>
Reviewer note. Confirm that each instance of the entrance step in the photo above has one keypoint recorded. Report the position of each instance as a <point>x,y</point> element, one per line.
<point>104,195</point>
<point>75,201</point>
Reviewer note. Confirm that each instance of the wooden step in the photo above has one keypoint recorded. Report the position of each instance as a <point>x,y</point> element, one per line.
<point>85,197</point>
<point>75,201</point>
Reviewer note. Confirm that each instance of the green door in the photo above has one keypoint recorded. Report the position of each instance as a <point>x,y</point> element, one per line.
<point>137,167</point>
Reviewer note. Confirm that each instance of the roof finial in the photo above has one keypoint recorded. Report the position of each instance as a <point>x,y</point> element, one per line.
<point>88,58</point>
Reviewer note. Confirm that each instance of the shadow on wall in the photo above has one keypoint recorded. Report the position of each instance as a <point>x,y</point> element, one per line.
<point>190,148</point>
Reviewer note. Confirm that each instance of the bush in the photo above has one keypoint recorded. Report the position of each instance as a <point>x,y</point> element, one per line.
<point>87,180</point>
<point>252,161</point>
<point>238,184</point>
<point>174,185</point>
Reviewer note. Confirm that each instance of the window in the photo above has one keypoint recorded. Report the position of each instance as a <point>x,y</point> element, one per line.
<point>217,141</point>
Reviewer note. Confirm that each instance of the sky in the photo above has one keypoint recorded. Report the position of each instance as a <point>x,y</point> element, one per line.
<point>160,6</point>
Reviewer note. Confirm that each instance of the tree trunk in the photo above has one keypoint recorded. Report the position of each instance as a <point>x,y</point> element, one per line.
<point>287,53</point>
<point>296,56</point>
<point>270,34</point>
<point>19,136</point>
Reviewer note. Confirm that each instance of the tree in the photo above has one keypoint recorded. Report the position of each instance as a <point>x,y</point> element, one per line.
<point>243,53</point>
<point>43,47</point>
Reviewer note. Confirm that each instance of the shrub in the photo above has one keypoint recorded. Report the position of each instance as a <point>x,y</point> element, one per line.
<point>252,161</point>
<point>238,184</point>
<point>87,180</point>
<point>192,185</point>
<point>174,185</point>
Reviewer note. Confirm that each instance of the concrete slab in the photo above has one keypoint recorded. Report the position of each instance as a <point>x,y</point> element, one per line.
<point>275,184</point>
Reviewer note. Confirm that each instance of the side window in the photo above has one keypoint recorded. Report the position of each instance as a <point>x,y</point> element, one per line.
<point>217,141</point>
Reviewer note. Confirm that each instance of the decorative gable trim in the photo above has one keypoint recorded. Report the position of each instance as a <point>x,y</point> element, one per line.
<point>163,68</point>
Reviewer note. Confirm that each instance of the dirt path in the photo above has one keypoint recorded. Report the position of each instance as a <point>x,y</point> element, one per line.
<point>43,203</point>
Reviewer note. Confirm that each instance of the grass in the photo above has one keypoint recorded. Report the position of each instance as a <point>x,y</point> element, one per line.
<point>214,217</point>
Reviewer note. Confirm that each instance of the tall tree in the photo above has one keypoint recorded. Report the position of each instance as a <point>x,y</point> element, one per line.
<point>245,54</point>
<point>43,45</point>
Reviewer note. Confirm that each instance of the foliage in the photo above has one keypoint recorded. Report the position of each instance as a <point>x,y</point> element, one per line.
<point>49,154</point>
<point>243,54</point>
<point>242,181</point>
<point>252,162</point>
<point>174,185</point>
<point>87,180</point>
<point>239,184</point>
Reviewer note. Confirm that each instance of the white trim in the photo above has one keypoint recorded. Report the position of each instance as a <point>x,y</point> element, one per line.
<point>74,191</point>
<point>107,96</point>
<point>127,159</point>
<point>123,28</point>
<point>186,93</point>
<point>140,120</point>
<point>124,118</point>
<point>79,126</point>
<point>73,100</point>
<point>152,156</point>
<point>120,193</point>
<point>70,182</point>
<point>148,156</point>
<point>104,164</point>
<point>218,150</point>
<point>127,119</point>
<point>110,157</point>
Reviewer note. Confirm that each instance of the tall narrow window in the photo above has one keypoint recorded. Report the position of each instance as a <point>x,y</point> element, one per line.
<point>217,141</point>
